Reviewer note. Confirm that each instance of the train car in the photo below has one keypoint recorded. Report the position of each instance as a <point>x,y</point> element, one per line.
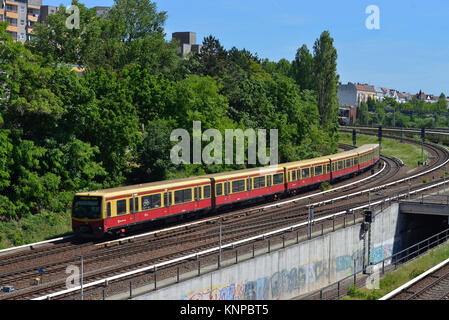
<point>344,163</point>
<point>307,172</point>
<point>368,155</point>
<point>237,186</point>
<point>116,210</point>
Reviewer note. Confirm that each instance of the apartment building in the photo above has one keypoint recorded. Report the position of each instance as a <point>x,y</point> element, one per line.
<point>187,42</point>
<point>21,16</point>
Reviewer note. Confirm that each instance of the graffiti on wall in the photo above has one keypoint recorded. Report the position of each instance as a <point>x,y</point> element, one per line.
<point>284,283</point>
<point>383,251</point>
<point>281,283</point>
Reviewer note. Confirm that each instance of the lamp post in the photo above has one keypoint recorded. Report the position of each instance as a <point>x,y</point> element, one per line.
<point>82,276</point>
<point>219,222</point>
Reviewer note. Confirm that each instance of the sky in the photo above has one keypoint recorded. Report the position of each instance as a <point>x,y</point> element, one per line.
<point>409,52</point>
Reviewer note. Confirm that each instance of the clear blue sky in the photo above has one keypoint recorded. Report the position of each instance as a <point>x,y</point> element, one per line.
<point>410,51</point>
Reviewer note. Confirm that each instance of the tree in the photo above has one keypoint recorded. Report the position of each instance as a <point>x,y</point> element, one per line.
<point>442,103</point>
<point>213,58</point>
<point>302,68</point>
<point>326,79</point>
<point>57,43</point>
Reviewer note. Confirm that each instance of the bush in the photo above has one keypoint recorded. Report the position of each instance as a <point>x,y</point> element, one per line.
<point>325,186</point>
<point>414,273</point>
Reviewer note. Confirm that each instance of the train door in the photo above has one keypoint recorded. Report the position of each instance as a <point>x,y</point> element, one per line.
<point>227,190</point>
<point>134,207</point>
<point>197,196</point>
<point>167,202</point>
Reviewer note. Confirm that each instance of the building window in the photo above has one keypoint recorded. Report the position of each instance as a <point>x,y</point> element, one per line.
<point>22,22</point>
<point>22,9</point>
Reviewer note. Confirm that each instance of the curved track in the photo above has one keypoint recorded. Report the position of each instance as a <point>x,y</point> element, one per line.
<point>106,259</point>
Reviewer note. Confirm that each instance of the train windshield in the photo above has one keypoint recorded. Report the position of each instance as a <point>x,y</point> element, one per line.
<point>86,207</point>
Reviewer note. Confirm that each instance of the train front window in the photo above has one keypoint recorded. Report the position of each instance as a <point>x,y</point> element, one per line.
<point>87,207</point>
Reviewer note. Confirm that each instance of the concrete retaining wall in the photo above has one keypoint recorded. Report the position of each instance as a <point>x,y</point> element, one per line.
<point>295,270</point>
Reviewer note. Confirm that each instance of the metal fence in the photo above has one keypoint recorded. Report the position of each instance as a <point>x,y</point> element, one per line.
<point>156,279</point>
<point>359,278</point>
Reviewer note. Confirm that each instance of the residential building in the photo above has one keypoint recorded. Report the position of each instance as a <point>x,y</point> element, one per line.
<point>45,12</point>
<point>21,17</point>
<point>187,43</point>
<point>101,11</point>
<point>354,94</point>
<point>381,93</point>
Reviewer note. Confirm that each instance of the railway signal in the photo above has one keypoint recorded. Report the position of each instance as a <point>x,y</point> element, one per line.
<point>354,137</point>
<point>423,137</point>
<point>368,216</point>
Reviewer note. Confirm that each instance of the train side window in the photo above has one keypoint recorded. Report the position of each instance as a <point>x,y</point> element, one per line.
<point>259,182</point>
<point>227,188</point>
<point>269,181</point>
<point>328,168</point>
<point>219,189</point>
<point>318,171</point>
<point>206,192</point>
<point>348,163</point>
<point>340,165</point>
<point>108,209</point>
<point>293,175</point>
<point>238,186</point>
<point>298,174</point>
<point>278,178</point>
<point>356,161</point>
<point>305,173</point>
<point>121,207</point>
<point>151,202</point>
<point>187,195</point>
<point>249,184</point>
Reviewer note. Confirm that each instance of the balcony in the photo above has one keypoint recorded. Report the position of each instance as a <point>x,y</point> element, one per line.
<point>12,15</point>
<point>32,17</point>
<point>12,29</point>
<point>30,6</point>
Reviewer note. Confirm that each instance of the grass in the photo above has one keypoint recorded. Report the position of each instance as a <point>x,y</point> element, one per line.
<point>35,228</point>
<point>408,153</point>
<point>404,274</point>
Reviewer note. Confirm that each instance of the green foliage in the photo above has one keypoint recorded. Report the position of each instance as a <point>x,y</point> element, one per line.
<point>325,186</point>
<point>62,133</point>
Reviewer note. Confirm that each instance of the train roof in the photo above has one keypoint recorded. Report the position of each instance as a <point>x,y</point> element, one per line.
<point>157,185</point>
<point>353,152</point>
<point>246,172</point>
<point>307,162</point>
<point>367,147</point>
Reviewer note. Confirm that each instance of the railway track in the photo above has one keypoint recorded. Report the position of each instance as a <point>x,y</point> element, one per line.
<point>163,246</point>
<point>433,286</point>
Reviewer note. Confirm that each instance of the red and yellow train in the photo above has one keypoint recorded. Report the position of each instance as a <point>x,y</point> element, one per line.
<point>117,210</point>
